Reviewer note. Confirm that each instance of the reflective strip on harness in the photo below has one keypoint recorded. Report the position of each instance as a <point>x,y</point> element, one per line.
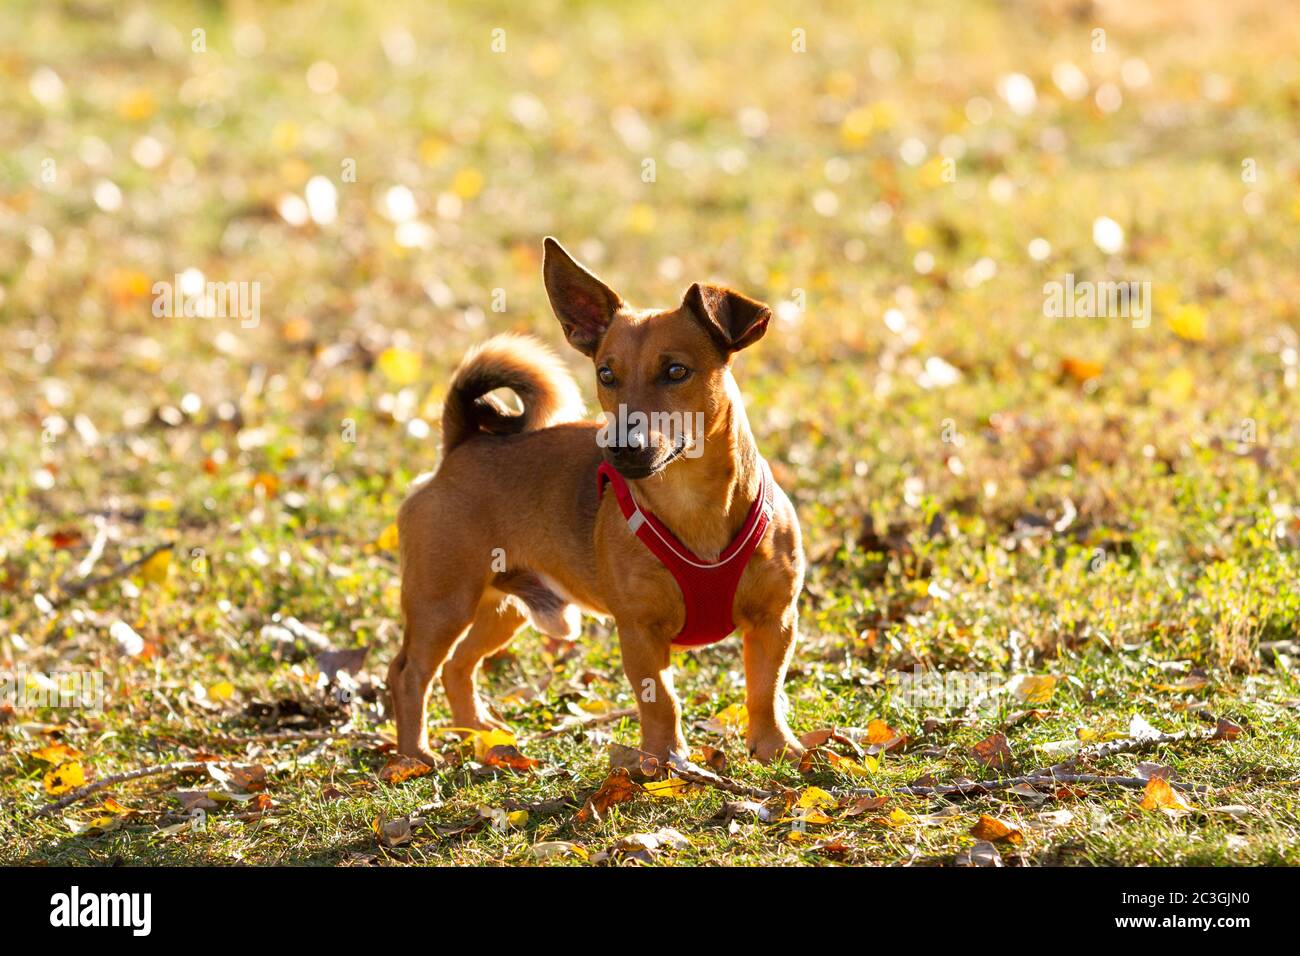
<point>708,588</point>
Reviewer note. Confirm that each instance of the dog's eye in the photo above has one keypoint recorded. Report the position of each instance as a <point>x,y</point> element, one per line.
<point>677,372</point>
<point>606,375</point>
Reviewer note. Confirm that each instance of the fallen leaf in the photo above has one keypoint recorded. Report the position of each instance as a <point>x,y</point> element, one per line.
<point>672,788</point>
<point>1159,795</point>
<point>1056,818</point>
<point>1033,688</point>
<point>509,757</point>
<point>993,752</point>
<point>619,787</point>
<point>56,753</point>
<point>733,719</point>
<point>863,805</point>
<point>400,769</point>
<point>643,847</point>
<point>865,768</point>
<point>558,848</point>
<point>64,778</point>
<point>714,759</point>
<point>883,738</point>
<point>1226,730</point>
<point>248,779</point>
<point>982,853</point>
<point>993,830</point>
<point>815,797</point>
<point>1139,729</point>
<point>485,740</point>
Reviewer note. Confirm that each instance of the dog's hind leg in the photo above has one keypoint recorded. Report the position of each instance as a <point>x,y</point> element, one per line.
<point>431,631</point>
<point>497,621</point>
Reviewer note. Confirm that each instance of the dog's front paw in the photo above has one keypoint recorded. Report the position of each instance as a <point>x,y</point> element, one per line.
<point>779,745</point>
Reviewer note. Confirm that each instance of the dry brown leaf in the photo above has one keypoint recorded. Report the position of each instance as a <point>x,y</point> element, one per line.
<point>619,787</point>
<point>509,757</point>
<point>993,752</point>
<point>1226,730</point>
<point>864,805</point>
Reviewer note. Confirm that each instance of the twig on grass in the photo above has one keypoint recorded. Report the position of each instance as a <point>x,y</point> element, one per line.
<point>1044,777</point>
<point>186,766</point>
<point>979,787</point>
<point>612,717</point>
<point>1129,745</point>
<point>81,587</point>
<point>292,736</point>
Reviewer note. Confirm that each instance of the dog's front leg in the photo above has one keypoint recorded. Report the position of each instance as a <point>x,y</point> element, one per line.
<point>647,663</point>
<point>768,648</point>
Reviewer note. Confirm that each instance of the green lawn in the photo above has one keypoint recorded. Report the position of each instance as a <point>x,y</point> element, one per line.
<point>984,490</point>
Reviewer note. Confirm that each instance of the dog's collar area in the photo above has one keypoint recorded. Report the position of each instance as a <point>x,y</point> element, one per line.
<point>708,588</point>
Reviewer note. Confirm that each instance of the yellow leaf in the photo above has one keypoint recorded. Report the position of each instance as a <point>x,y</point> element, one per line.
<point>56,753</point>
<point>1159,795</point>
<point>222,690</point>
<point>814,815</point>
<point>485,740</point>
<point>735,717</point>
<point>388,538</point>
<point>815,797</point>
<point>672,788</point>
<point>518,818</point>
<point>156,569</point>
<point>65,777</point>
<point>849,765</point>
<point>112,806</point>
<point>1189,322</point>
<point>1035,689</point>
<point>399,366</point>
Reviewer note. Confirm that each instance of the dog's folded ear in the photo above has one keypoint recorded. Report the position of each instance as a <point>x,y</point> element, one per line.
<point>584,305</point>
<point>734,320</point>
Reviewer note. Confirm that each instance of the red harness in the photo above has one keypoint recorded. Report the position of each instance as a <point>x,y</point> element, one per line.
<point>709,590</point>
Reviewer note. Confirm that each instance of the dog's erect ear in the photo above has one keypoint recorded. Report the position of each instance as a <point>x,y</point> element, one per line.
<point>583,304</point>
<point>734,320</point>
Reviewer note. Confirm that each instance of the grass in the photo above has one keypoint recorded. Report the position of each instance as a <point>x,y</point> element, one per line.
<point>983,489</point>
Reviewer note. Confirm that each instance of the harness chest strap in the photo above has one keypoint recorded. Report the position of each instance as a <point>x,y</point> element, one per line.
<point>708,588</point>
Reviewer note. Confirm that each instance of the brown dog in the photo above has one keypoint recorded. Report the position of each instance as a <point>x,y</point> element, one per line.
<point>511,527</point>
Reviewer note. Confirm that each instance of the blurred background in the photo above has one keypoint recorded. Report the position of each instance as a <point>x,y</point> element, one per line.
<point>899,181</point>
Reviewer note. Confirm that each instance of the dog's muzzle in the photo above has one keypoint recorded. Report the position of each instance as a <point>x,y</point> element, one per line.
<point>635,461</point>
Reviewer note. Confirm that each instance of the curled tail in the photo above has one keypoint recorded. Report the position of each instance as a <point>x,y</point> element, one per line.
<point>522,364</point>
